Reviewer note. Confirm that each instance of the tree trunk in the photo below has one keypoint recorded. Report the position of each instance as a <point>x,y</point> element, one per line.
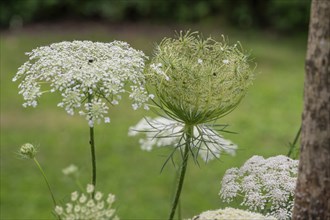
<point>312,198</point>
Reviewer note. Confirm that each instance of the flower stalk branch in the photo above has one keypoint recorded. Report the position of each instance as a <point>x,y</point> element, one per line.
<point>46,180</point>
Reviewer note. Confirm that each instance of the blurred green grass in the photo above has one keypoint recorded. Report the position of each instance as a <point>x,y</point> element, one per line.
<point>266,120</point>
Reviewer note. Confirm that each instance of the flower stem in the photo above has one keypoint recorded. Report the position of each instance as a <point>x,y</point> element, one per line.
<point>293,145</point>
<point>45,178</point>
<point>177,173</point>
<point>92,143</point>
<point>179,210</point>
<point>188,133</point>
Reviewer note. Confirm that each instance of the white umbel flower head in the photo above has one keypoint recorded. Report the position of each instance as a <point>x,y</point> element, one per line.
<point>267,185</point>
<point>87,72</point>
<point>231,214</point>
<point>83,206</point>
<point>163,132</point>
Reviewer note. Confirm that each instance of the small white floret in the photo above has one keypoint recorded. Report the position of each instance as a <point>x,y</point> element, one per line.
<point>225,61</point>
<point>90,188</point>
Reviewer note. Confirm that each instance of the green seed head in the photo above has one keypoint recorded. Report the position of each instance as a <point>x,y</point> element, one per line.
<point>198,80</point>
<point>28,151</point>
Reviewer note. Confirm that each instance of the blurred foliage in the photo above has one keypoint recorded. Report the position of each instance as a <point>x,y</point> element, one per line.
<point>280,15</point>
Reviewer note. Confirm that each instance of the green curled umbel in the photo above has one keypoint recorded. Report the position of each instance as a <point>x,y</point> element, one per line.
<point>198,80</point>
<point>28,151</point>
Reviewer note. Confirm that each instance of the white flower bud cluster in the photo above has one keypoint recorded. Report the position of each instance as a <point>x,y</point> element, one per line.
<point>231,214</point>
<point>163,132</point>
<point>28,151</point>
<point>83,206</point>
<point>84,71</point>
<point>267,185</point>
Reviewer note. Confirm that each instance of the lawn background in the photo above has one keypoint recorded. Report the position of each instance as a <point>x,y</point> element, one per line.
<point>266,120</point>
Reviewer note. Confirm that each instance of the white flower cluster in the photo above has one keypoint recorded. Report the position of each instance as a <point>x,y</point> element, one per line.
<point>163,132</point>
<point>85,207</point>
<point>231,213</point>
<point>267,185</point>
<point>70,170</point>
<point>84,72</point>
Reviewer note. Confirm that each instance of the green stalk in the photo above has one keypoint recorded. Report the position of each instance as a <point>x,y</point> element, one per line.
<point>45,178</point>
<point>91,134</point>
<point>188,133</point>
<point>293,145</point>
<point>179,210</point>
<point>177,173</point>
<point>92,143</point>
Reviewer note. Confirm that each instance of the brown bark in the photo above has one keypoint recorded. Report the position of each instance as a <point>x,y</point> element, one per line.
<point>312,198</point>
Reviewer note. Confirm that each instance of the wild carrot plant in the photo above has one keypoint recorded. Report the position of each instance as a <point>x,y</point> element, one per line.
<point>90,76</point>
<point>196,81</point>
